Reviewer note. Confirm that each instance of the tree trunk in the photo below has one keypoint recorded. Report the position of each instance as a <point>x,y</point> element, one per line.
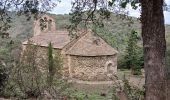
<point>154,43</point>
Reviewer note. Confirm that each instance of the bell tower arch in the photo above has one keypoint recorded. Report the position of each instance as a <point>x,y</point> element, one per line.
<point>43,25</point>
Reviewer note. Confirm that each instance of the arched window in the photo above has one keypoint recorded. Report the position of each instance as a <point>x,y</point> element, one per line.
<point>109,67</point>
<point>43,25</point>
<point>45,18</point>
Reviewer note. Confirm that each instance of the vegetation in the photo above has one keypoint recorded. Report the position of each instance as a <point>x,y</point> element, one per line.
<point>3,77</point>
<point>153,34</point>
<point>133,59</point>
<point>154,46</point>
<point>27,70</point>
<point>51,67</point>
<point>126,90</point>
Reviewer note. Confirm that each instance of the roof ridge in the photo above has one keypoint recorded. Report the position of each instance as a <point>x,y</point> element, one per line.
<point>83,48</point>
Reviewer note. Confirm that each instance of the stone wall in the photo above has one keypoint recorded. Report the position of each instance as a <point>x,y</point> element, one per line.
<point>42,57</point>
<point>65,68</point>
<point>92,68</point>
<point>101,68</point>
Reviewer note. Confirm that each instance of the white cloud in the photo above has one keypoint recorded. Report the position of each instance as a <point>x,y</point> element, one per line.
<point>63,7</point>
<point>132,12</point>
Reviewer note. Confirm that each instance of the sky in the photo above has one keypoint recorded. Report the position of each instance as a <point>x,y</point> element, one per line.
<point>64,7</point>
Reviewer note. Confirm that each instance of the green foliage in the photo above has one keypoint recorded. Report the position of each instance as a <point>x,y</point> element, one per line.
<point>62,21</point>
<point>28,76</point>
<point>126,89</point>
<point>133,92</point>
<point>50,64</point>
<point>84,96</point>
<point>137,72</point>
<point>8,53</point>
<point>54,64</point>
<point>3,77</point>
<point>55,84</point>
<point>132,56</point>
<point>131,50</point>
<point>123,4</point>
<point>116,36</point>
<point>106,35</point>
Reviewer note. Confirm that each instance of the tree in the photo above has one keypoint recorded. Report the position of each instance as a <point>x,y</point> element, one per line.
<point>29,8</point>
<point>28,74</point>
<point>132,56</point>
<point>153,34</point>
<point>51,69</point>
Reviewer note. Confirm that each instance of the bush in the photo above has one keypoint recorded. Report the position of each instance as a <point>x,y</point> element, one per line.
<point>3,77</point>
<point>137,72</point>
<point>34,77</point>
<point>127,90</point>
<point>29,77</point>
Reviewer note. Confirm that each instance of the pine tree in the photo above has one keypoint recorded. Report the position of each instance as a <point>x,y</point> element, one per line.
<point>132,58</point>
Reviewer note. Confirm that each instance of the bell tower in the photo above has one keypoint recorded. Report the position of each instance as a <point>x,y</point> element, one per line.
<point>45,24</point>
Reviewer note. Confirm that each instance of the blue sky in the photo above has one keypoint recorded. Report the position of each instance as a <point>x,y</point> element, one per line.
<point>64,7</point>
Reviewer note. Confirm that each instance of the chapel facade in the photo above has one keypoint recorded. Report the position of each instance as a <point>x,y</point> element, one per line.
<point>86,58</point>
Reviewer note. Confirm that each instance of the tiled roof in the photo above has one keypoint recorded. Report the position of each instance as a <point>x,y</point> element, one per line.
<point>89,45</point>
<point>58,39</point>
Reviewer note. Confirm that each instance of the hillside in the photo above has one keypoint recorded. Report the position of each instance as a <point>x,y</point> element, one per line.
<point>115,31</point>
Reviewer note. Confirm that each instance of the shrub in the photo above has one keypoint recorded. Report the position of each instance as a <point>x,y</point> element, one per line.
<point>137,72</point>
<point>3,77</point>
<point>127,90</point>
<point>28,76</point>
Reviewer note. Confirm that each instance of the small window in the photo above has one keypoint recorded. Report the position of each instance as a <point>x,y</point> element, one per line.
<point>110,68</point>
<point>96,41</point>
<point>50,20</point>
<point>42,24</point>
